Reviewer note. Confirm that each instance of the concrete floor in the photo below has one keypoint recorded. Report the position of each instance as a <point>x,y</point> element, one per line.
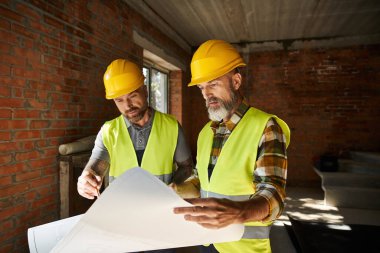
<point>308,204</point>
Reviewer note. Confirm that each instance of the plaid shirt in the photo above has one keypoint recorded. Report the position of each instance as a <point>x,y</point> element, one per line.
<point>271,164</point>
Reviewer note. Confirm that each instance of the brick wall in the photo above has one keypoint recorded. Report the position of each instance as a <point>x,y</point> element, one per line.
<point>329,97</point>
<point>53,56</point>
<point>175,94</point>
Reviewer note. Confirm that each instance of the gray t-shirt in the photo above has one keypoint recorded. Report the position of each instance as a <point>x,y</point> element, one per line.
<point>139,136</point>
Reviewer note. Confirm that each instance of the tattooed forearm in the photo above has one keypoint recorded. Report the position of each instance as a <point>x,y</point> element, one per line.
<point>184,171</point>
<point>100,167</point>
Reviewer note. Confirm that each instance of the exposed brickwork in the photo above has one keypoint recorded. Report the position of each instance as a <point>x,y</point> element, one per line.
<point>53,56</point>
<point>176,94</point>
<point>329,97</point>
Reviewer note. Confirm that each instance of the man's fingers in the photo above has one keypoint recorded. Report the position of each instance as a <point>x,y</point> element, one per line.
<point>196,211</point>
<point>91,178</point>
<point>209,202</point>
<point>89,184</point>
<point>205,221</point>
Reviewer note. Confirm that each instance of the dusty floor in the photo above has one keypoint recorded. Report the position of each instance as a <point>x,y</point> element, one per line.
<point>308,204</point>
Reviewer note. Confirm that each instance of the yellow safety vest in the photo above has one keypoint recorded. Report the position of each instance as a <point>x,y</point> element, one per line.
<point>159,151</point>
<point>232,177</point>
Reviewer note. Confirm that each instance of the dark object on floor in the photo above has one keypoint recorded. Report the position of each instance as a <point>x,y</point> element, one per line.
<point>317,237</point>
<point>328,163</point>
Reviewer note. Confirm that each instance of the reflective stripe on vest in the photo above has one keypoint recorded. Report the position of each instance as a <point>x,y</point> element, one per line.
<point>159,151</point>
<point>255,230</point>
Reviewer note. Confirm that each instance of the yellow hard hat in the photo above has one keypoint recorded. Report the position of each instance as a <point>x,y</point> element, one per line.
<point>122,77</point>
<point>213,59</point>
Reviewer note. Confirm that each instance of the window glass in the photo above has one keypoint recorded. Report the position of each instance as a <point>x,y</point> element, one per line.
<point>157,83</point>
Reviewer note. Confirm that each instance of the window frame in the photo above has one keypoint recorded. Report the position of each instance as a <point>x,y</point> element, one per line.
<point>150,66</point>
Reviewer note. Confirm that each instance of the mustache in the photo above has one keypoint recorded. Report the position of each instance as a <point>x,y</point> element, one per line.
<point>212,100</point>
<point>131,109</point>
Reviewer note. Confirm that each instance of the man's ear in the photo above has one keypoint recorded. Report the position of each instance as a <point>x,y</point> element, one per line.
<point>236,80</point>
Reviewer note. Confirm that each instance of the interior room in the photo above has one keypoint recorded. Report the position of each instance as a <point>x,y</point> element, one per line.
<point>313,63</point>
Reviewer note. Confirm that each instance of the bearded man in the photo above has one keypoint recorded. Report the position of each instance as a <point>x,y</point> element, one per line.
<point>241,155</point>
<point>140,136</point>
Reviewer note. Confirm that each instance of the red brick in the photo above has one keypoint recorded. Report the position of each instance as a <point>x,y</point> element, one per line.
<point>5,113</point>
<point>6,247</point>
<point>5,70</point>
<point>53,22</point>
<point>59,106</point>
<point>42,143</point>
<point>39,124</point>
<point>6,225</point>
<point>32,215</point>
<point>13,234</point>
<point>62,124</point>
<point>30,94</point>
<point>50,152</point>
<point>5,91</point>
<point>44,190</point>
<point>51,60</point>
<point>7,13</point>
<point>37,104</point>
<point>30,74</point>
<point>13,124</point>
<point>43,162</point>
<point>28,12</point>
<point>4,47</point>
<point>17,92</point>
<point>66,114</point>
<point>50,171</point>
<point>4,159</point>
<point>8,146</point>
<point>48,115</point>
<point>27,135</point>
<point>43,201</point>
<point>5,180</point>
<point>5,24</point>
<point>11,102</point>
<point>27,155</point>
<point>22,30</point>
<point>28,175</point>
<point>14,189</point>
<point>12,168</point>
<point>42,181</point>
<point>5,136</point>
<point>27,145</point>
<point>4,80</point>
<point>20,113</point>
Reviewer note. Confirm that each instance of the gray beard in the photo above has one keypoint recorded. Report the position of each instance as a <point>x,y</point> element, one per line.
<point>217,114</point>
<point>225,107</point>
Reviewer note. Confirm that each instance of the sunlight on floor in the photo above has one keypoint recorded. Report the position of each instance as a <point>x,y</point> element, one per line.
<point>309,205</point>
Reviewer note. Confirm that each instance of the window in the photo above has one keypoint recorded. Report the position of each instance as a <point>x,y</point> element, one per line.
<point>157,82</point>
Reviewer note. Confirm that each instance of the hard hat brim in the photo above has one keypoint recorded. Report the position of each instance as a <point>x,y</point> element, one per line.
<point>121,92</point>
<point>216,74</point>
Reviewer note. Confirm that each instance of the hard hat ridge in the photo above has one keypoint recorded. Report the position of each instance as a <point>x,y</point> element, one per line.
<point>213,59</point>
<point>122,77</point>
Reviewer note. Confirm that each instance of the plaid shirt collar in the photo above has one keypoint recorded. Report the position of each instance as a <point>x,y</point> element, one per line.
<point>234,120</point>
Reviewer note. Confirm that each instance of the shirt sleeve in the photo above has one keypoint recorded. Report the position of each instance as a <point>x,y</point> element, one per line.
<point>100,152</point>
<point>182,151</point>
<point>271,169</point>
